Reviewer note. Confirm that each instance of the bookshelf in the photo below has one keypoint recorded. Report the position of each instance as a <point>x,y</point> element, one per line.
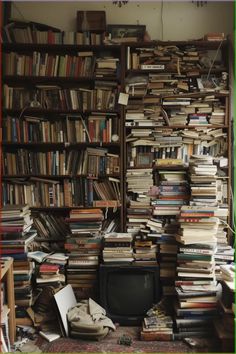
<point>7,278</point>
<point>154,71</point>
<point>178,167</point>
<point>60,114</point>
<point>173,112</point>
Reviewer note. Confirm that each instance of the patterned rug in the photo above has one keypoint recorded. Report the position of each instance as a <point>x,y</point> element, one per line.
<point>110,345</point>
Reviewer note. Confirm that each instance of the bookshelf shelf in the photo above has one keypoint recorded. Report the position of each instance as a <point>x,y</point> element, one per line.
<point>179,126</point>
<point>64,208</point>
<point>29,110</point>
<point>67,48</point>
<point>199,43</point>
<point>59,145</point>
<point>195,72</point>
<point>60,176</point>
<point>61,80</point>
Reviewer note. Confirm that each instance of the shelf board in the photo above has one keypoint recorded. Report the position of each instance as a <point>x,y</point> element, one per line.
<point>29,110</point>
<point>154,168</point>
<point>179,127</point>
<point>183,71</point>
<point>198,43</point>
<point>54,177</point>
<point>55,79</point>
<point>59,145</point>
<point>24,47</point>
<point>67,208</point>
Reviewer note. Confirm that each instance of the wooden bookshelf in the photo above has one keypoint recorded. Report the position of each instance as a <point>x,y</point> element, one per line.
<point>6,276</point>
<point>191,72</point>
<point>50,114</point>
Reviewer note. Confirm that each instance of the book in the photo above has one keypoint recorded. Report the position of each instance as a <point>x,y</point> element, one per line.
<point>50,336</point>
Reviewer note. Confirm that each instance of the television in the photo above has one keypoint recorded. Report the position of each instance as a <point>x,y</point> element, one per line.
<point>128,291</point>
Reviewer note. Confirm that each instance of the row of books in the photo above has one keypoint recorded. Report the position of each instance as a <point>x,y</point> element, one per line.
<point>179,59</point>
<point>15,33</point>
<point>40,192</point>
<point>102,97</point>
<point>93,162</point>
<point>84,64</point>
<point>96,127</point>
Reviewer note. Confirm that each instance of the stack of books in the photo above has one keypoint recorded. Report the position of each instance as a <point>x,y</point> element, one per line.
<point>118,248</point>
<point>167,255</point>
<point>196,282</point>
<point>51,232</point>
<point>49,268</point>
<point>84,248</point>
<point>17,236</point>
<point>173,192</point>
<point>158,324</point>
<point>145,252</point>
<point>203,180</point>
<point>139,211</point>
<point>106,67</point>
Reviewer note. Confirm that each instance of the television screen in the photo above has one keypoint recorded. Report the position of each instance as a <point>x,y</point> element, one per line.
<point>127,292</point>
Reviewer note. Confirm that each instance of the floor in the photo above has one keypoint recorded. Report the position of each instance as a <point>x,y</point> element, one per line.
<point>110,345</point>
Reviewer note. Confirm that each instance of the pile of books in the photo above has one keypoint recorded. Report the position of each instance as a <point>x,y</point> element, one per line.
<point>203,180</point>
<point>117,248</point>
<point>190,61</point>
<point>84,248</point>
<point>196,282</point>
<point>167,254</point>
<point>173,192</point>
<point>139,211</point>
<point>51,232</point>
<point>145,252</point>
<point>49,268</point>
<point>106,67</point>
<point>158,324</point>
<point>17,236</point>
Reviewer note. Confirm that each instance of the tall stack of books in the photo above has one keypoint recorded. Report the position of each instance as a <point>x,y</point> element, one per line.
<point>118,248</point>
<point>172,192</point>
<point>196,282</point>
<point>225,252</point>
<point>84,248</point>
<point>139,211</point>
<point>17,236</point>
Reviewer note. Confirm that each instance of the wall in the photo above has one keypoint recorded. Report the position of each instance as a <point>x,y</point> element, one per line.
<point>164,20</point>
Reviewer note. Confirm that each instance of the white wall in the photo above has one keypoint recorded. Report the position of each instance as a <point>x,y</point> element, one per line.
<point>181,20</point>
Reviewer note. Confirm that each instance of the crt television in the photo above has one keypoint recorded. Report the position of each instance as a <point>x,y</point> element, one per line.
<point>128,291</point>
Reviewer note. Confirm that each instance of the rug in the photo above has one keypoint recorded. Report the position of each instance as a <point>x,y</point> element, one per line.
<point>110,345</point>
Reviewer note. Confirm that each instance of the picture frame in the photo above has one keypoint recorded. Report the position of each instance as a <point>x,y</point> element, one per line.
<point>93,21</point>
<point>126,33</point>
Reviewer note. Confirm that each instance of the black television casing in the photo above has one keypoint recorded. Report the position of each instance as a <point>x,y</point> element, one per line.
<point>105,270</point>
